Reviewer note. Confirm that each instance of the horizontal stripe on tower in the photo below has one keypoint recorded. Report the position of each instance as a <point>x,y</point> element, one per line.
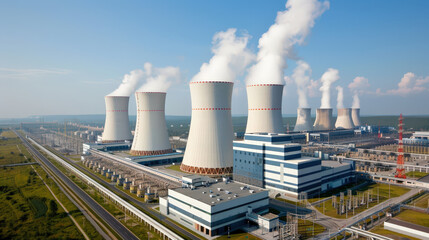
<point>151,110</point>
<point>116,110</point>
<point>263,85</point>
<point>258,109</point>
<point>211,108</point>
<point>211,82</point>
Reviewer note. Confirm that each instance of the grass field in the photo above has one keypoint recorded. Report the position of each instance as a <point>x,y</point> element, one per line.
<point>382,189</point>
<point>12,150</point>
<point>305,228</point>
<point>422,201</point>
<point>238,235</point>
<point>415,217</point>
<point>24,208</point>
<point>415,174</point>
<point>175,168</point>
<point>397,236</point>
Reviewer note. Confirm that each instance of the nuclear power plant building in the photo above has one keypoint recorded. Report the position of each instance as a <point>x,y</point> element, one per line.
<point>264,108</point>
<point>209,147</point>
<point>271,161</point>
<point>117,125</point>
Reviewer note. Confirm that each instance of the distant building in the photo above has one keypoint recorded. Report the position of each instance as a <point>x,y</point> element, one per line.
<point>271,161</point>
<point>418,138</point>
<point>216,208</point>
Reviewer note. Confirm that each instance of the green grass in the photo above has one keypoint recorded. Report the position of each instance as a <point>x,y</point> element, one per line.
<point>383,189</point>
<point>175,168</point>
<point>415,174</point>
<point>238,235</point>
<point>12,151</point>
<point>23,208</point>
<point>415,217</point>
<point>422,201</point>
<point>387,233</point>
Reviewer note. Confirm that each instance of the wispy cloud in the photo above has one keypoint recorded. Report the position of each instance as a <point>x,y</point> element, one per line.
<point>19,73</point>
<point>409,84</point>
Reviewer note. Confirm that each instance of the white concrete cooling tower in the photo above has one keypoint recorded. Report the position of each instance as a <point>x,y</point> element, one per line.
<point>117,125</point>
<point>150,136</point>
<point>344,119</point>
<point>264,108</point>
<point>323,119</point>
<point>209,147</point>
<point>303,120</point>
<point>356,117</point>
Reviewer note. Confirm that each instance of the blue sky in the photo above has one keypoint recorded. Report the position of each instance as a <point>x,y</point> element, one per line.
<point>63,57</point>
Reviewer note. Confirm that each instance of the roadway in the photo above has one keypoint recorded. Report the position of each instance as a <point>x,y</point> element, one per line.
<point>117,226</point>
<point>147,207</point>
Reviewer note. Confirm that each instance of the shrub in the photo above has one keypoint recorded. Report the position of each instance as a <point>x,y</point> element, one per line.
<point>12,153</point>
<point>53,208</point>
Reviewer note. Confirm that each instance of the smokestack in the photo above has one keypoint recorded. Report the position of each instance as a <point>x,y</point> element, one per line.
<point>117,125</point>
<point>323,119</point>
<point>303,120</point>
<point>209,147</point>
<point>150,137</point>
<point>344,118</point>
<point>356,117</point>
<point>265,108</point>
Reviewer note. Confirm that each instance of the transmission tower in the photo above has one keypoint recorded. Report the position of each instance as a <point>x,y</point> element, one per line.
<point>400,162</point>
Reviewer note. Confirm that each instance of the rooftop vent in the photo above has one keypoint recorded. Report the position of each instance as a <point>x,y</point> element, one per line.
<point>229,198</point>
<point>204,192</point>
<point>227,192</point>
<point>219,199</point>
<point>212,196</point>
<point>242,188</point>
<point>251,191</point>
<point>219,189</point>
<point>235,195</point>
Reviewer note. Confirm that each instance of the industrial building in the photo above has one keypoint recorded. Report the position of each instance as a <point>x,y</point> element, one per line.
<point>209,146</point>
<point>264,108</point>
<point>303,120</point>
<point>273,162</point>
<point>117,124</point>
<point>323,119</point>
<point>150,135</point>
<point>356,117</point>
<point>217,208</point>
<point>418,138</point>
<point>344,119</point>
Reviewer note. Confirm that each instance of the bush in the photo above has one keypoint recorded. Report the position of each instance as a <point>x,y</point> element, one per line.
<point>53,208</point>
<point>22,155</point>
<point>12,153</point>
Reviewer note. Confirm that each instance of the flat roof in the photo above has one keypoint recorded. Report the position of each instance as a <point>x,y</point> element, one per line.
<point>301,160</point>
<point>231,187</point>
<point>270,216</point>
<point>334,164</point>
<point>408,225</point>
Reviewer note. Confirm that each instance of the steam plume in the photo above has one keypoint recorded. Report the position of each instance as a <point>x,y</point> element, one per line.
<point>159,79</point>
<point>301,75</point>
<point>340,97</point>
<point>291,27</point>
<point>358,86</point>
<point>129,83</point>
<point>230,58</point>
<point>329,77</point>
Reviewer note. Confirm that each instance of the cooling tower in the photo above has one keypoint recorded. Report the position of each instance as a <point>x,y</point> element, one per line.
<point>323,119</point>
<point>150,136</point>
<point>344,118</point>
<point>303,120</point>
<point>209,146</point>
<point>264,108</point>
<point>117,125</point>
<point>356,117</point>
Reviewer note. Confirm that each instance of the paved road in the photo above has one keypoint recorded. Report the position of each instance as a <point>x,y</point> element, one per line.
<point>19,164</point>
<point>145,206</point>
<point>117,226</point>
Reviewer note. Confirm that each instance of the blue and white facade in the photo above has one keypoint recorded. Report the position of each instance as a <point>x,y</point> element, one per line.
<point>271,161</point>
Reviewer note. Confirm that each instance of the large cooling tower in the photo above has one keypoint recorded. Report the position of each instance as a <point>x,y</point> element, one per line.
<point>356,116</point>
<point>117,125</point>
<point>264,108</point>
<point>323,119</point>
<point>209,147</point>
<point>303,120</point>
<point>150,136</point>
<point>344,118</point>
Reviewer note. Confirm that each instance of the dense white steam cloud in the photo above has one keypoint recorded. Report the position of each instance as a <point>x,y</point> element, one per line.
<point>159,79</point>
<point>358,85</point>
<point>340,97</point>
<point>129,83</point>
<point>230,59</point>
<point>291,28</point>
<point>301,75</point>
<point>329,77</point>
